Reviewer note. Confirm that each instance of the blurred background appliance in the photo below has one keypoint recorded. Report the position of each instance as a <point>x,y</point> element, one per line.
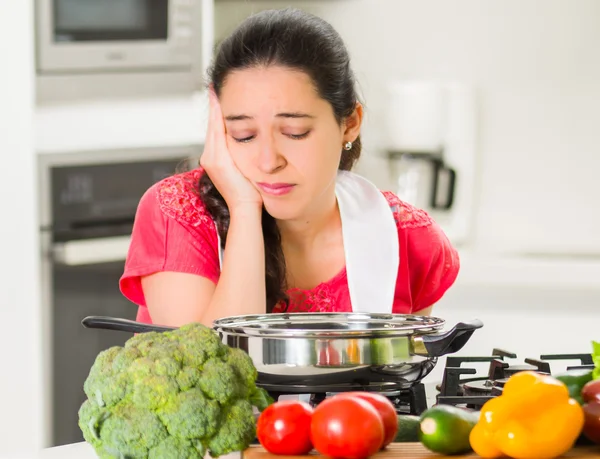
<point>88,205</point>
<point>431,149</point>
<point>116,48</point>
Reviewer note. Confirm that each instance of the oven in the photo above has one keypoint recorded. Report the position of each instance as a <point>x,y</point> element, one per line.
<point>88,205</point>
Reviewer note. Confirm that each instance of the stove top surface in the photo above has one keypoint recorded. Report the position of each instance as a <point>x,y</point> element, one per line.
<point>461,384</point>
<point>460,387</point>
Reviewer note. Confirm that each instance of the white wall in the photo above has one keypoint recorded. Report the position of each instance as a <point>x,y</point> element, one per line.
<point>535,64</point>
<point>20,422</point>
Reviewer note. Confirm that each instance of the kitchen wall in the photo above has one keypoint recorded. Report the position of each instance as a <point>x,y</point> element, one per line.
<point>536,67</point>
<point>20,377</point>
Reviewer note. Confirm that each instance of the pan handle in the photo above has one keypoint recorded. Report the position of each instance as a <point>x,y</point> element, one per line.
<point>126,325</point>
<point>437,345</point>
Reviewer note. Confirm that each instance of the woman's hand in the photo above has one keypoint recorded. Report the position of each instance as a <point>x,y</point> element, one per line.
<point>216,160</point>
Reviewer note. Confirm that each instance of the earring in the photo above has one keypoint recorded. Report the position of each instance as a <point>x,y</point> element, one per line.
<point>348,146</point>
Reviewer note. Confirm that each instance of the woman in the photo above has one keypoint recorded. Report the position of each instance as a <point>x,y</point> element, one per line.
<point>273,220</point>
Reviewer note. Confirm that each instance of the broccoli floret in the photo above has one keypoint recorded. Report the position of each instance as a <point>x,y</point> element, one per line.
<point>177,448</point>
<point>154,391</point>
<point>188,377</point>
<point>94,415</point>
<point>194,355</point>
<point>190,415</point>
<point>169,395</point>
<point>219,381</point>
<point>260,398</point>
<point>130,431</point>
<point>237,430</point>
<point>104,384</point>
<point>244,368</point>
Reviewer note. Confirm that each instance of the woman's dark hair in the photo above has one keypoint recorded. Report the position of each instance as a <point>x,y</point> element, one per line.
<point>297,40</point>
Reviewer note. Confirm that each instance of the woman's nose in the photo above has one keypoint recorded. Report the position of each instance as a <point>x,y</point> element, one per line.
<point>269,158</point>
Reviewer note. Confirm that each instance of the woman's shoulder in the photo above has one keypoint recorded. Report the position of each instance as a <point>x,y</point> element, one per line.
<point>406,215</point>
<point>429,264</point>
<point>177,197</point>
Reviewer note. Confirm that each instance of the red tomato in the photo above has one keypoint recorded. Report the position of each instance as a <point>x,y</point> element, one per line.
<point>386,410</point>
<point>591,428</point>
<point>284,428</point>
<point>591,391</point>
<point>346,427</point>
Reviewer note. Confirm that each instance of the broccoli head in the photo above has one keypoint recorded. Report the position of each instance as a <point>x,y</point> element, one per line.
<point>178,394</point>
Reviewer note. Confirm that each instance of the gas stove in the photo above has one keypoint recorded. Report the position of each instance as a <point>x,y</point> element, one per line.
<point>458,389</point>
<point>461,385</point>
<point>412,400</point>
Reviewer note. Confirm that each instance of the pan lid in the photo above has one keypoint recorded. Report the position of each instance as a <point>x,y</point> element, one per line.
<point>328,325</point>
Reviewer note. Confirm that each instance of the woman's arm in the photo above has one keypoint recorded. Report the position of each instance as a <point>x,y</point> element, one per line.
<point>175,299</point>
<point>425,312</point>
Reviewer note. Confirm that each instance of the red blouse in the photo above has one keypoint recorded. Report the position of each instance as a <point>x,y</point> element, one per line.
<point>174,232</point>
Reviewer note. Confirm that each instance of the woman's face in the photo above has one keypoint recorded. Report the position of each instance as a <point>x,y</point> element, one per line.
<point>284,138</point>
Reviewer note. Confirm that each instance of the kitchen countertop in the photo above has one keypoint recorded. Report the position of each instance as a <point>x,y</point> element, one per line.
<point>528,271</point>
<point>416,451</point>
<point>398,450</point>
<point>85,451</point>
<point>77,450</point>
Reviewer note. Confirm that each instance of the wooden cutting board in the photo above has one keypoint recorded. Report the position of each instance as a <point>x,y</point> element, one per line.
<point>410,451</point>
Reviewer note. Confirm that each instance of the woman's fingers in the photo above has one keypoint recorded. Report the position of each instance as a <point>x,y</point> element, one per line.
<point>219,153</point>
<point>216,153</point>
<point>218,123</point>
<point>212,127</point>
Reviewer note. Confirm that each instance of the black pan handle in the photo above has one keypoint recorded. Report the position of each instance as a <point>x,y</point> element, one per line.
<point>437,345</point>
<point>126,325</point>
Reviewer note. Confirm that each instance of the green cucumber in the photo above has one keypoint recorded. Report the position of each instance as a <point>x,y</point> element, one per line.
<point>408,429</point>
<point>445,429</point>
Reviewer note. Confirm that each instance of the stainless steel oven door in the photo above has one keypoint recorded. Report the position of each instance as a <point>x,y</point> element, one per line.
<point>88,203</point>
<point>83,282</point>
<point>83,35</point>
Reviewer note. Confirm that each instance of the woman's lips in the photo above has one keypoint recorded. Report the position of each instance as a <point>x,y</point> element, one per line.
<point>276,189</point>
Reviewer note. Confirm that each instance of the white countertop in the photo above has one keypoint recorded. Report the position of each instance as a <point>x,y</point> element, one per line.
<point>77,450</point>
<point>116,124</point>
<point>528,271</point>
<point>85,451</point>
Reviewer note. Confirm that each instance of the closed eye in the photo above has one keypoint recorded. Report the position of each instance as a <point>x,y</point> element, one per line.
<point>298,136</point>
<point>291,136</point>
<point>243,140</point>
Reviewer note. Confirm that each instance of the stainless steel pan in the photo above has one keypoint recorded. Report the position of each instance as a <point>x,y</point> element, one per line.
<point>301,351</point>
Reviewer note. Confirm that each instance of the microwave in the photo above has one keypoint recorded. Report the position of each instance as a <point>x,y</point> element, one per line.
<point>103,36</point>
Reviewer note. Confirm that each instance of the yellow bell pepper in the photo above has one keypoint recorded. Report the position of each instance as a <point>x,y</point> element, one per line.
<point>534,418</point>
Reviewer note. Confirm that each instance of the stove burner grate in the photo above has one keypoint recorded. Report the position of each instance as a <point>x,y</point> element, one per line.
<point>407,401</point>
<point>458,389</point>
